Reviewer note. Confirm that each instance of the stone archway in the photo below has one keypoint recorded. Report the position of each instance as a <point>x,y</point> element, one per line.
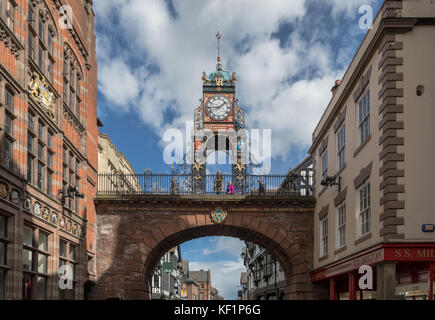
<point>133,231</point>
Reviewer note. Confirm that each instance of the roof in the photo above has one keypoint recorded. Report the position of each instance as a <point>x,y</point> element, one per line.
<point>200,276</point>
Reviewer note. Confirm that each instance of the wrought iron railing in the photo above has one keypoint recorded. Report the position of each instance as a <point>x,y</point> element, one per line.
<point>209,184</point>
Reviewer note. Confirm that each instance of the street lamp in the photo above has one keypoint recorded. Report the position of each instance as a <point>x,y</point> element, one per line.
<point>71,192</point>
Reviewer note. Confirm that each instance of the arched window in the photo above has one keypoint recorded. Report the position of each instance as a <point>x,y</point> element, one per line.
<point>72,77</point>
<point>41,36</point>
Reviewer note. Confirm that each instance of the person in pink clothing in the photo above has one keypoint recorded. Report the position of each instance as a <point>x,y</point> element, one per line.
<point>230,188</point>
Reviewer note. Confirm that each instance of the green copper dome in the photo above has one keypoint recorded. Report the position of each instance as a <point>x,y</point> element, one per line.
<point>219,77</point>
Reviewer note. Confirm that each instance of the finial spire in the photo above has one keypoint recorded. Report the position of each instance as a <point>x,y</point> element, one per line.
<point>219,36</point>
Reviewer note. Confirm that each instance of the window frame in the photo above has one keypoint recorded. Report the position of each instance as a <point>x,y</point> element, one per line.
<point>363,118</point>
<point>34,274</point>
<point>324,161</point>
<point>364,215</point>
<point>341,226</point>
<point>341,147</point>
<point>324,248</point>
<point>68,261</point>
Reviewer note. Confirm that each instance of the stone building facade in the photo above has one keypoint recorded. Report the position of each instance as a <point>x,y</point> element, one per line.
<point>167,285</point>
<point>264,279</point>
<point>373,158</point>
<point>120,173</point>
<point>48,148</point>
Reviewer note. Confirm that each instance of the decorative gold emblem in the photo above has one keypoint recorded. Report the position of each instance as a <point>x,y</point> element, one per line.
<point>218,215</point>
<point>3,190</point>
<point>219,81</point>
<point>40,92</point>
<point>239,168</point>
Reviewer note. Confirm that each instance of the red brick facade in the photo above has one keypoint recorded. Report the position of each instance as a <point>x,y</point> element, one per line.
<point>48,141</point>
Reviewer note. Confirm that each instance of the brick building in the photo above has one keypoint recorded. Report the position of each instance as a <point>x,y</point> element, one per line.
<point>48,147</point>
<point>373,159</point>
<point>203,279</point>
<point>192,289</point>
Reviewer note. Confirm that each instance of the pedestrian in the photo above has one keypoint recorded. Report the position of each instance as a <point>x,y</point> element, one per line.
<point>230,188</point>
<point>261,189</point>
<point>218,182</point>
<point>174,187</point>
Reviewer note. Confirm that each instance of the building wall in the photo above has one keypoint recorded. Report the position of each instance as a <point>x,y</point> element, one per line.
<point>116,172</point>
<point>416,131</point>
<point>192,291</point>
<point>265,277</point>
<point>418,69</point>
<point>73,127</point>
<point>395,57</point>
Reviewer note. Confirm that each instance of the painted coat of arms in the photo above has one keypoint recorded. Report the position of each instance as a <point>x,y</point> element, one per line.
<point>218,215</point>
<point>41,93</point>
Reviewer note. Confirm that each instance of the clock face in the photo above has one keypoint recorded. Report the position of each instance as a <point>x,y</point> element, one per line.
<point>218,107</point>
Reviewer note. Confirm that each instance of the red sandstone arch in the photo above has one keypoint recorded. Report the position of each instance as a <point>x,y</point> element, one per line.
<point>130,243</point>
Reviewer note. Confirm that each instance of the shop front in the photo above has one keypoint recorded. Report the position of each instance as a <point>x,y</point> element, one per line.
<point>396,271</point>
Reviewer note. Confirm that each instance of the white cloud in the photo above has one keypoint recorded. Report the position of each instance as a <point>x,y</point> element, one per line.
<point>181,48</point>
<point>228,245</point>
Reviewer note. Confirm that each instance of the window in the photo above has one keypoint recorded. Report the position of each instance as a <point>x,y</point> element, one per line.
<point>9,124</point>
<point>8,141</point>
<point>68,257</point>
<point>202,296</point>
<point>9,99</point>
<point>50,43</point>
<point>41,61</point>
<point>40,131</point>
<point>156,281</point>
<point>35,263</point>
<point>31,41</point>
<point>39,161</point>
<point>30,170</point>
<point>41,30</point>
<point>30,121</point>
<point>341,226</point>
<point>49,183</point>
<point>40,178</point>
<point>364,118</point>
<point>71,177</point>
<point>10,15</point>
<point>364,210</point>
<point>325,164</point>
<point>341,141</point>
<point>31,16</point>
<point>3,255</point>
<point>324,239</point>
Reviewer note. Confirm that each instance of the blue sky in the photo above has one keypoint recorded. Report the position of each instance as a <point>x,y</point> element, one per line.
<point>286,53</point>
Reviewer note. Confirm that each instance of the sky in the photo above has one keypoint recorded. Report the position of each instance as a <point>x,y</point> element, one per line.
<point>287,55</point>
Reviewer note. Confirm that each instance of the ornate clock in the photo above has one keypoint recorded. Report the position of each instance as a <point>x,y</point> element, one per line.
<point>218,107</point>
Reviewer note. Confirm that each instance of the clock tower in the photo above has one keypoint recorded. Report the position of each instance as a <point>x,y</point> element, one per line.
<point>219,120</point>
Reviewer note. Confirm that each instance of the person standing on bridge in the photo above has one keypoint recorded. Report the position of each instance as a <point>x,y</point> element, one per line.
<point>230,188</point>
<point>218,182</point>
<point>261,189</point>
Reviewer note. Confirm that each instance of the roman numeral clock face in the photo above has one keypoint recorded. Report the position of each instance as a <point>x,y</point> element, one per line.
<point>218,107</point>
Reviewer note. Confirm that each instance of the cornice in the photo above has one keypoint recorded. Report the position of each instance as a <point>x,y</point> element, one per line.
<point>387,25</point>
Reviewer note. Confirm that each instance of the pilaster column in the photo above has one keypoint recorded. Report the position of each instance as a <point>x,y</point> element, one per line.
<point>386,281</point>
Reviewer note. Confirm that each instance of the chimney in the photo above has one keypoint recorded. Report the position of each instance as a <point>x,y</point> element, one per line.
<point>335,87</point>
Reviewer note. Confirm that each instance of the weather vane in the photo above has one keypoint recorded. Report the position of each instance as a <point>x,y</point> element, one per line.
<point>219,36</point>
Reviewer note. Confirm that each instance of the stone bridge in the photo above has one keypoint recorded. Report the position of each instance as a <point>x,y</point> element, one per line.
<point>134,231</point>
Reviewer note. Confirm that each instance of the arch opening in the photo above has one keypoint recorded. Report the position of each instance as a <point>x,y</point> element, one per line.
<point>272,248</point>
